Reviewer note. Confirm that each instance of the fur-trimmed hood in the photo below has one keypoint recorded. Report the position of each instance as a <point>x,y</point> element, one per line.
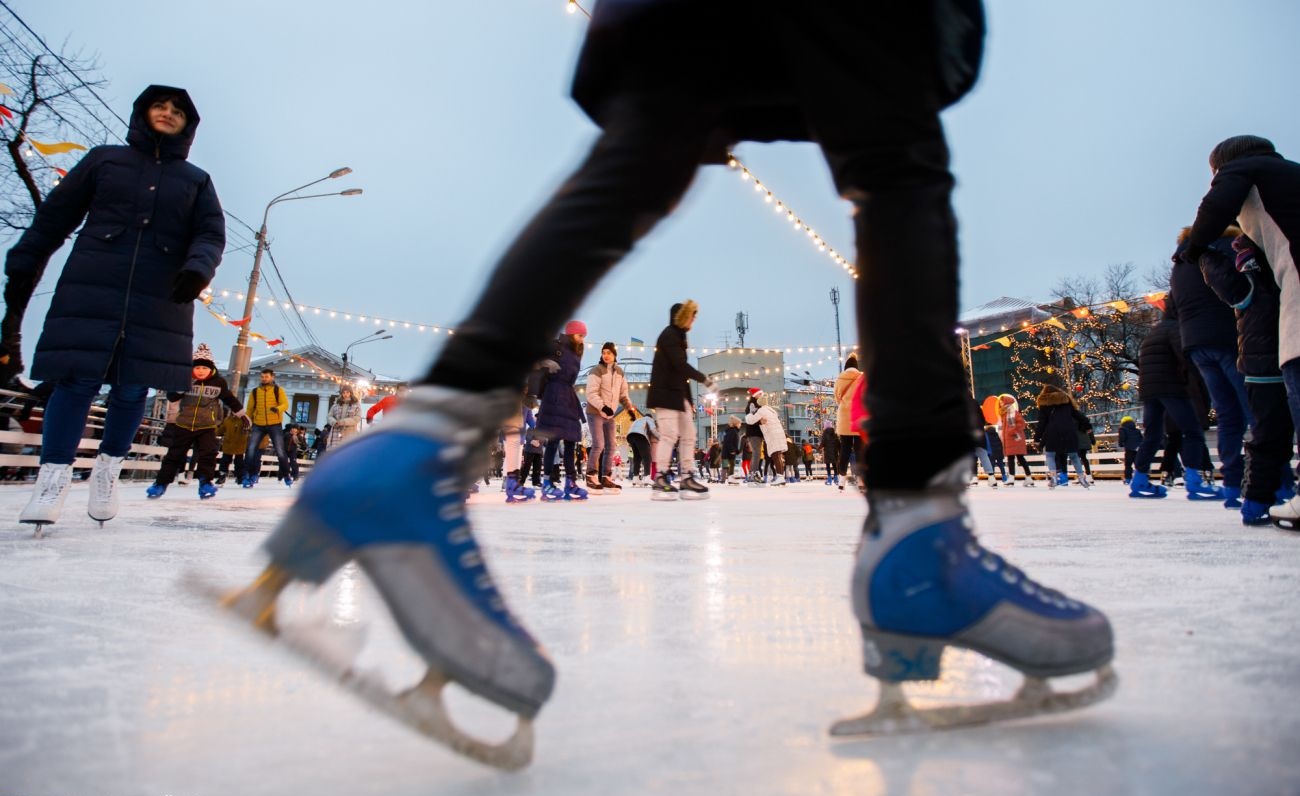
<point>1230,232</point>
<point>681,314</point>
<point>1053,396</point>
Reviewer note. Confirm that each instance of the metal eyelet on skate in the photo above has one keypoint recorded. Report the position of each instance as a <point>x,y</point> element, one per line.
<point>459,535</point>
<point>470,559</point>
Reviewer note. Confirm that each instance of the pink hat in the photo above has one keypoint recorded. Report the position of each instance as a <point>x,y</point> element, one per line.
<point>575,327</point>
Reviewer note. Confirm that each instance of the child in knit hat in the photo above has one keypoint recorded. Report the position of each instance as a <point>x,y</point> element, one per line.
<point>193,418</point>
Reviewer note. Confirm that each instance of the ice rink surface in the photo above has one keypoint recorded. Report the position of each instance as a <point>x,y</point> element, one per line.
<point>703,648</point>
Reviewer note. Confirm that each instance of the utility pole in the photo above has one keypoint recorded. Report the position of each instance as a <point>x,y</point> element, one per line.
<point>839,346</point>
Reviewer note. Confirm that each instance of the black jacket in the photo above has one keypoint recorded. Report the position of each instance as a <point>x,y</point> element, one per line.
<point>1059,421</point>
<point>753,429</point>
<point>669,371</point>
<point>1253,296</point>
<point>1277,182</point>
<point>1130,439</point>
<point>730,441</point>
<point>148,214</point>
<point>1203,320</point>
<point>702,54</point>
<point>1162,371</point>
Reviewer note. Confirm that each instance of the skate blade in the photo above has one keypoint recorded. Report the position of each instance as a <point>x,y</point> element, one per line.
<point>894,715</point>
<point>421,707</point>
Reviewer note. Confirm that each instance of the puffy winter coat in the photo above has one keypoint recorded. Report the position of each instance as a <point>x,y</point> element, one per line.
<point>1013,429</point>
<point>669,370</point>
<point>1058,420</point>
<point>200,405</point>
<point>1130,439</point>
<point>1254,298</point>
<point>730,441</point>
<point>1203,320</point>
<point>267,405</point>
<point>561,414</point>
<point>606,386</point>
<point>345,420</point>
<point>1162,371</point>
<point>149,214</point>
<point>1262,192</point>
<point>843,392</point>
<point>713,63</point>
<point>770,424</point>
<point>234,435</point>
<point>752,428</point>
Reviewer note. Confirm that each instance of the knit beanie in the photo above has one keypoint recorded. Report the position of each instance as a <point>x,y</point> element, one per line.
<point>611,348</point>
<point>203,356</point>
<point>575,327</point>
<point>1239,146</point>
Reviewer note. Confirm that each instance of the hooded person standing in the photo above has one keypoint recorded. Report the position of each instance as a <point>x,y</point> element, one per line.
<point>123,309</point>
<point>606,395</point>
<point>670,397</point>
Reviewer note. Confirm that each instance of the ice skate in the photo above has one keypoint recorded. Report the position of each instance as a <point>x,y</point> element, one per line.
<point>691,489</point>
<point>923,583</point>
<point>1029,482</point>
<point>1198,489</point>
<point>1141,487</point>
<point>610,486</point>
<point>551,492</point>
<point>155,491</point>
<point>102,506</point>
<point>516,493</point>
<point>662,489</point>
<point>393,501</point>
<point>1286,515</point>
<point>207,490</point>
<point>593,485</point>
<point>1232,497</point>
<point>48,494</point>
<point>1254,514</point>
<point>572,491</point>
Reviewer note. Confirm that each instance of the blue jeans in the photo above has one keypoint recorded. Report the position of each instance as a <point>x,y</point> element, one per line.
<point>1291,378</point>
<point>253,454</point>
<point>1073,456</point>
<point>68,407</point>
<point>1183,414</point>
<point>1218,366</point>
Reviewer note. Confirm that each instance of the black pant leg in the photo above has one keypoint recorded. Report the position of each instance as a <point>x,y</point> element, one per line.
<point>205,453</point>
<point>1268,444</point>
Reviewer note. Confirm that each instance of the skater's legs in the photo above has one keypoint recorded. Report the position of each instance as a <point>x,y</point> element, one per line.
<point>570,468</point>
<point>253,453</point>
<point>602,443</point>
<point>1183,413</point>
<point>65,419</point>
<point>126,408</point>
<point>1227,388</point>
<point>1268,445</point>
<point>636,172</point>
<point>177,453</point>
<point>205,454</point>
<point>1153,415</point>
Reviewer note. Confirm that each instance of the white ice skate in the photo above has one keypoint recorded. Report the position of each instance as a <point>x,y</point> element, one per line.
<point>48,494</point>
<point>103,488</point>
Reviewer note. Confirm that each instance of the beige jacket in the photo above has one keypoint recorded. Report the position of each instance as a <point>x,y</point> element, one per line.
<point>844,412</point>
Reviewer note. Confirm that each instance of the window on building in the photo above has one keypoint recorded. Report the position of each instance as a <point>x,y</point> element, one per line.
<point>302,412</point>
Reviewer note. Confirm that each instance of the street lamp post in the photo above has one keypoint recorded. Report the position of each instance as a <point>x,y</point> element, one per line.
<point>241,354</point>
<point>373,337</point>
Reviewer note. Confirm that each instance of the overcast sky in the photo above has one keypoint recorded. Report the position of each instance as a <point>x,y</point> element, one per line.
<point>1084,145</point>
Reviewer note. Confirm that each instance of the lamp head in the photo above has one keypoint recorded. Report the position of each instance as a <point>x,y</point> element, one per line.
<point>343,172</point>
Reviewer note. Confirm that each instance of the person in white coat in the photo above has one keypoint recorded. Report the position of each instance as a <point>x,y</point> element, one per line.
<point>606,393</point>
<point>773,435</point>
<point>345,417</point>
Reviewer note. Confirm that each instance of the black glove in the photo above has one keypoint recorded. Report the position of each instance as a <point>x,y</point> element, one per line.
<point>1191,254</point>
<point>187,285</point>
<point>606,411</point>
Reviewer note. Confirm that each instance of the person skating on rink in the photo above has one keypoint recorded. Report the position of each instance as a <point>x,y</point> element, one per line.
<point>642,436</point>
<point>123,309</point>
<point>267,405</point>
<point>345,417</point>
<point>561,416</point>
<point>195,426</point>
<point>1129,440</point>
<point>670,397</point>
<point>769,424</point>
<point>1015,441</point>
<point>233,432</point>
<point>606,395</point>
<point>867,81</point>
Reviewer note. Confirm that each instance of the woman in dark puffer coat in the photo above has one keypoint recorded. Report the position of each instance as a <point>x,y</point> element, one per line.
<point>560,420</point>
<point>1059,422</point>
<point>122,312</point>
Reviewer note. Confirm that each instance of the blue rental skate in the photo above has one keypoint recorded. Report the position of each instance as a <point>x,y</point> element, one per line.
<point>393,501</point>
<point>155,491</point>
<point>1198,489</point>
<point>1141,487</point>
<point>924,583</point>
<point>572,491</point>
<point>207,489</point>
<point>517,493</point>
<point>1254,514</point>
<point>1232,497</point>
<point>551,492</point>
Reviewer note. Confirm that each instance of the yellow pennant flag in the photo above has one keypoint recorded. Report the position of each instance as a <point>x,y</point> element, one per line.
<point>1004,341</point>
<point>54,149</point>
<point>1120,305</point>
<point>1054,322</point>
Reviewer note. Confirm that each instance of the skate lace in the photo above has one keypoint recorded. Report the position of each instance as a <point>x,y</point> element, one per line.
<point>50,489</point>
<point>997,565</point>
<point>103,485</point>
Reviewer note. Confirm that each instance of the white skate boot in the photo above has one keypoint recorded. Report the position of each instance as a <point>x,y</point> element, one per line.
<point>103,488</point>
<point>924,583</point>
<point>46,503</point>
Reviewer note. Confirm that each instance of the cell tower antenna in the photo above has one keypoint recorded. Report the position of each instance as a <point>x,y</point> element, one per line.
<point>742,326</point>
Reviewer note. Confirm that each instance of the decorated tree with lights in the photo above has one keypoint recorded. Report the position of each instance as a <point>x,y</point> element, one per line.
<point>1089,349</point>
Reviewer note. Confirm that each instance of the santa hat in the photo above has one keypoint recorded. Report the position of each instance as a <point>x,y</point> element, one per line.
<point>754,392</point>
<point>203,356</point>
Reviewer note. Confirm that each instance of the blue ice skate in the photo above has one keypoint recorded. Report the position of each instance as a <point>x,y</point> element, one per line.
<point>517,493</point>
<point>393,501</point>
<point>1254,514</point>
<point>155,491</point>
<point>923,583</point>
<point>1232,497</point>
<point>551,492</point>
<point>1198,489</point>
<point>572,491</point>
<point>1141,487</point>
<point>207,489</point>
